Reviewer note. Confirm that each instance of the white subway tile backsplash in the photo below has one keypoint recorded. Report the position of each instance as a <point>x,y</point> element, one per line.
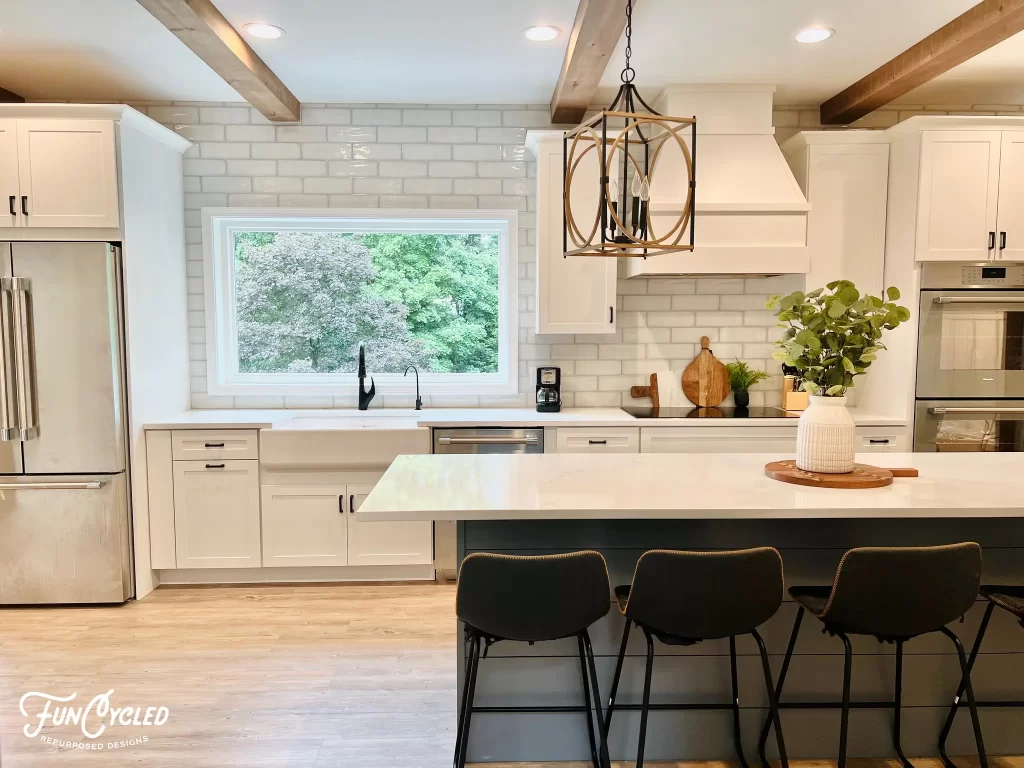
<point>453,157</point>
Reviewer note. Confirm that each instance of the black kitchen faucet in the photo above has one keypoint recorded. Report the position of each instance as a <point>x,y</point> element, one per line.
<point>364,396</point>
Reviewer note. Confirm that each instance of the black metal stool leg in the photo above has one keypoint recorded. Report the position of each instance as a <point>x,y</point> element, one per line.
<point>646,701</point>
<point>966,674</point>
<point>960,689</point>
<point>773,703</point>
<point>844,723</point>
<point>618,674</point>
<point>763,740</point>
<point>737,739</point>
<point>591,738</point>
<point>472,666</point>
<point>605,760</point>
<point>896,741</point>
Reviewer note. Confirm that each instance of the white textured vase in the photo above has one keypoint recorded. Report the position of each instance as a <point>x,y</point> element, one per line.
<point>826,436</point>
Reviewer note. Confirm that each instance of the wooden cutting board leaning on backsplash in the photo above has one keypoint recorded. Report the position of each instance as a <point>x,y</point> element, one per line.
<point>706,380</point>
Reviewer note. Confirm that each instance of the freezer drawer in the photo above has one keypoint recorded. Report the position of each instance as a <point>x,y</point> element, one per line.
<point>64,539</point>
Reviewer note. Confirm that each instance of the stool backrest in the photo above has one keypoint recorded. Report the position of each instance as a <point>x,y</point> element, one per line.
<point>706,595</point>
<point>895,592</point>
<point>533,598</point>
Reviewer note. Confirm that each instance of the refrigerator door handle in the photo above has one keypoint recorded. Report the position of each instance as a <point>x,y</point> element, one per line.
<point>89,485</point>
<point>28,425</point>
<point>8,386</point>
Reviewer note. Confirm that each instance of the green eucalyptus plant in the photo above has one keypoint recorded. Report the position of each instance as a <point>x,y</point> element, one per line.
<point>833,334</point>
<point>742,377</point>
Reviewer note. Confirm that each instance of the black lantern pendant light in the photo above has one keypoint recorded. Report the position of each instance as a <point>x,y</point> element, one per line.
<point>626,147</point>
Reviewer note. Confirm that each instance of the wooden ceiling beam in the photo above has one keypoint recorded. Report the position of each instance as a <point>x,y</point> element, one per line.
<point>595,33</point>
<point>6,97</point>
<point>200,26</point>
<point>976,30</point>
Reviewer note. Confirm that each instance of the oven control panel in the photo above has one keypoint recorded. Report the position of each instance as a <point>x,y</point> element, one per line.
<point>991,274</point>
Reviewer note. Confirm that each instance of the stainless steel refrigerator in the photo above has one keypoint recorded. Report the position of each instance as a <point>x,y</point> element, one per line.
<point>65,529</point>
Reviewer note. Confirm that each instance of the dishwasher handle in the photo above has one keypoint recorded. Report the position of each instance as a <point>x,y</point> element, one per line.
<point>492,440</point>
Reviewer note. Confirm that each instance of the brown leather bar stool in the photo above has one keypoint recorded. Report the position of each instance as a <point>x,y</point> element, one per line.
<point>533,599</point>
<point>894,594</point>
<point>683,598</point>
<point>1011,599</point>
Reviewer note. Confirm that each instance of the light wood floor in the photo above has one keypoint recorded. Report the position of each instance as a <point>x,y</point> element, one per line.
<point>255,677</point>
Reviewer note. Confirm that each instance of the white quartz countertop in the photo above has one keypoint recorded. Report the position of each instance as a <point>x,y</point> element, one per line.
<point>394,418</point>
<point>684,486</point>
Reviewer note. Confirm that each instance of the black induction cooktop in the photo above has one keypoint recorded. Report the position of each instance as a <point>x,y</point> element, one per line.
<point>647,412</point>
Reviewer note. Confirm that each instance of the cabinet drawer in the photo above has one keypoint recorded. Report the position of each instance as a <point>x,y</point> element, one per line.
<point>619,440</point>
<point>198,444</point>
<point>882,440</point>
<point>779,440</point>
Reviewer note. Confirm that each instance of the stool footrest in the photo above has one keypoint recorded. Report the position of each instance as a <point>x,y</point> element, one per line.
<point>551,709</point>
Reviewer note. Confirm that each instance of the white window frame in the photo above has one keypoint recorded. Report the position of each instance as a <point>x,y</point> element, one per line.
<point>219,226</point>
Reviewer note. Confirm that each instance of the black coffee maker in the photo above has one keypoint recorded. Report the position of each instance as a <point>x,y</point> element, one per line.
<point>549,389</point>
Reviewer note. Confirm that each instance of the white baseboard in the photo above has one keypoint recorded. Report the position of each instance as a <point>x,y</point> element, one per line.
<point>297,575</point>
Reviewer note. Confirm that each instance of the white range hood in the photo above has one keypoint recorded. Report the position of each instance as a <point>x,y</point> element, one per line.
<point>751,217</point>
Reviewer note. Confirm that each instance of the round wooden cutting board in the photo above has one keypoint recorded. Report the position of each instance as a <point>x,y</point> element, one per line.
<point>863,476</point>
<point>705,380</point>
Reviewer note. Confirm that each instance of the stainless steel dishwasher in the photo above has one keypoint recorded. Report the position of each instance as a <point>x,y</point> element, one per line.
<point>489,440</point>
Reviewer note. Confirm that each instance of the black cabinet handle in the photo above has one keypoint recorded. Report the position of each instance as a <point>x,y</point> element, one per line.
<point>352,504</point>
<point>341,504</point>
<point>611,314</point>
<point>215,466</point>
<point>213,445</point>
<point>1002,241</point>
<point>991,240</point>
<point>24,204</point>
<point>598,442</point>
<point>879,442</point>
<point>13,211</point>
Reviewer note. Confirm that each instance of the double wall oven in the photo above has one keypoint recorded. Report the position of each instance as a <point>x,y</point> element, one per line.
<point>970,364</point>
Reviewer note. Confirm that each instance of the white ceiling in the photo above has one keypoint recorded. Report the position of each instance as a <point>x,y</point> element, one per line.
<point>473,51</point>
<point>752,41</point>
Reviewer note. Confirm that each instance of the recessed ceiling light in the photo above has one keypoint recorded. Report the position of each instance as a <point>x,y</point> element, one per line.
<point>814,34</point>
<point>541,34</point>
<point>264,31</point>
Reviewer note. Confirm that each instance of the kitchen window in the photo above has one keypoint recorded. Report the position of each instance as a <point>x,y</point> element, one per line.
<point>291,295</point>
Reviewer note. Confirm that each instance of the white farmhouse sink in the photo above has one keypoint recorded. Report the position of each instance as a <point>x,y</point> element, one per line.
<point>343,439</point>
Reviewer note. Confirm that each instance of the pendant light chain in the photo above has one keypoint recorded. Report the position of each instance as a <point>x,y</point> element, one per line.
<point>628,73</point>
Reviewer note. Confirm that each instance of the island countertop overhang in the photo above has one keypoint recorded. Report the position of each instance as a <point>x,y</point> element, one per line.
<point>691,486</point>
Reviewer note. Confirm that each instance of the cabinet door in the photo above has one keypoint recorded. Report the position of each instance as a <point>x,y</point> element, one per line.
<point>574,294</point>
<point>386,543</point>
<point>1011,197</point>
<point>68,173</point>
<point>957,200</point>
<point>217,514</point>
<point>9,175</point>
<point>304,525</point>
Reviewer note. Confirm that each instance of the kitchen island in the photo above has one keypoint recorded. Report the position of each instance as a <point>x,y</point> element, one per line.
<point>623,505</point>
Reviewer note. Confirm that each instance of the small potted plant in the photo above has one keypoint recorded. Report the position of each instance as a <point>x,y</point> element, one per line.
<point>833,334</point>
<point>741,378</point>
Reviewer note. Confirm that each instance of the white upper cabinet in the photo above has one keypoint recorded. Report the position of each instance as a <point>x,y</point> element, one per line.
<point>67,172</point>
<point>1010,221</point>
<point>9,174</point>
<point>402,543</point>
<point>958,195</point>
<point>574,294</point>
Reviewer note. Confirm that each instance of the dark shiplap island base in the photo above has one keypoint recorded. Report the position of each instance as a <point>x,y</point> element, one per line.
<point>549,673</point>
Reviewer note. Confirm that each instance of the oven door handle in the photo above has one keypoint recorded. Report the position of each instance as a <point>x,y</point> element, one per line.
<point>939,410</point>
<point>978,300</point>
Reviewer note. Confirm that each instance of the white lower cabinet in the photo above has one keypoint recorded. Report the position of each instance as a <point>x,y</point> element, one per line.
<point>779,440</point>
<point>217,514</point>
<point>304,525</point>
<point>386,543</point>
<point>614,440</point>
